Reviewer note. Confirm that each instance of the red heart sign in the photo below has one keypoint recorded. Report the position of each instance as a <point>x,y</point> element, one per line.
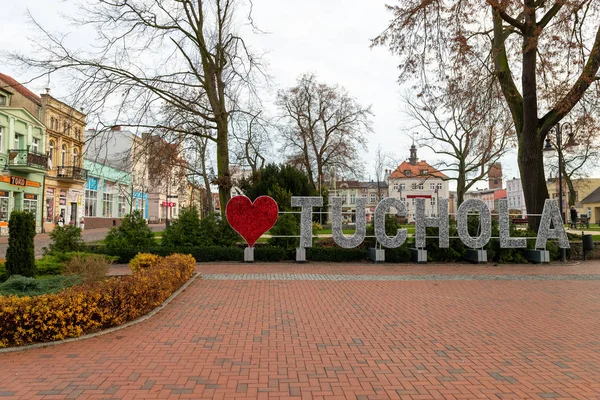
<point>249,219</point>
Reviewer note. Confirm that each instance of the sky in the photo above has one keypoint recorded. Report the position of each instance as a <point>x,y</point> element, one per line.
<point>330,38</point>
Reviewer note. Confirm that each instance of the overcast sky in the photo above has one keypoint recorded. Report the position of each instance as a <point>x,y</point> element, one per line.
<point>330,38</point>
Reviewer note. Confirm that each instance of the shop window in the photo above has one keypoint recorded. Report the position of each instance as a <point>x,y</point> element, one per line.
<point>4,201</point>
<point>49,205</point>
<point>91,201</point>
<point>30,204</point>
<point>107,200</point>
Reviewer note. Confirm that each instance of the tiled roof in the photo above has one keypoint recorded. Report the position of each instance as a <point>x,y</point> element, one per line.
<point>415,171</point>
<point>593,197</point>
<point>20,88</point>
<point>500,194</point>
<point>358,184</point>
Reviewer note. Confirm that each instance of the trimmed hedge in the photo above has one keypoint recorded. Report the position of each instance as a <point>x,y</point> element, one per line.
<point>88,308</point>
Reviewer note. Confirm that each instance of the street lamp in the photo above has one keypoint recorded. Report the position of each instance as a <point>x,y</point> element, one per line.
<point>559,147</point>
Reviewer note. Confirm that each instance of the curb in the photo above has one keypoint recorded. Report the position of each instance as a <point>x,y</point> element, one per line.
<point>109,330</point>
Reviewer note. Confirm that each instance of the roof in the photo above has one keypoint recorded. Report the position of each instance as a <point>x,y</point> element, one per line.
<point>415,171</point>
<point>20,88</point>
<point>359,185</point>
<point>593,197</point>
<point>500,194</point>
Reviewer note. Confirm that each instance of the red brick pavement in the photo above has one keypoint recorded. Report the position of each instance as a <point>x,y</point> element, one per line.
<point>336,339</point>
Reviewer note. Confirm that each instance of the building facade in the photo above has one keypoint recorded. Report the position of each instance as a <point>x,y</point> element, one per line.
<point>583,188</point>
<point>109,195</point>
<point>417,179</point>
<point>66,177</point>
<point>22,152</point>
<point>352,190</point>
<point>124,151</point>
<point>515,196</point>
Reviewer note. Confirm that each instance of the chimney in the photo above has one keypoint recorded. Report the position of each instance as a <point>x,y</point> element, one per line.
<point>48,91</point>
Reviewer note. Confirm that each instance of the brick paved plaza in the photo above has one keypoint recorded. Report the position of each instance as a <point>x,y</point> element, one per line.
<point>342,331</point>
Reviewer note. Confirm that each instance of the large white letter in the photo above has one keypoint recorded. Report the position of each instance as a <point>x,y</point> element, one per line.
<point>307,203</point>
<point>336,223</point>
<point>551,214</point>
<point>441,222</point>
<point>485,220</point>
<point>380,211</point>
<point>507,242</point>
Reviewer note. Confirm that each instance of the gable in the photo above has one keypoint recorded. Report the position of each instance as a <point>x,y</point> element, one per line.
<point>22,115</point>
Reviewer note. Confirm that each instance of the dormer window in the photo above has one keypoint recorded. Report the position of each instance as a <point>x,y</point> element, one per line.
<point>407,172</point>
<point>3,100</point>
<point>423,172</point>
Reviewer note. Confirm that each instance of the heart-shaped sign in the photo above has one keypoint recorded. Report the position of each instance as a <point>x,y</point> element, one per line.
<point>249,219</point>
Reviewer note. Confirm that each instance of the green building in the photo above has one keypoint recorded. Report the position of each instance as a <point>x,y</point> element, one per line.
<point>23,159</point>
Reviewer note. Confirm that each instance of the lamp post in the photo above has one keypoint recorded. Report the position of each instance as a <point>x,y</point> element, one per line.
<point>559,148</point>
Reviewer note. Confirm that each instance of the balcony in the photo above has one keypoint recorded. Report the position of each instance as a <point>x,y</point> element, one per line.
<point>71,173</point>
<point>27,161</point>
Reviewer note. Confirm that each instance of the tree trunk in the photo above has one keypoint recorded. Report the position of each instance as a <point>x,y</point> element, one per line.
<point>531,162</point>
<point>224,179</point>
<point>531,166</point>
<point>460,190</point>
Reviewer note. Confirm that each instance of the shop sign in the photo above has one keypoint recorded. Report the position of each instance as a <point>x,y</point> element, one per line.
<point>3,193</point>
<point>50,192</point>
<point>168,204</point>
<point>18,181</point>
<point>30,196</point>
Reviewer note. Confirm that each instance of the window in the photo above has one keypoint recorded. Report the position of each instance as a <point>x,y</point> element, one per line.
<point>2,100</point>
<point>1,138</point>
<point>413,186</point>
<point>395,186</point>
<point>107,200</point>
<point>75,157</point>
<point>352,198</point>
<point>432,186</point>
<point>122,207</point>
<point>51,122</point>
<point>4,199</point>
<point>30,204</point>
<point>35,146</point>
<point>373,197</point>
<point>402,186</point>
<point>424,172</point>
<point>65,127</point>
<point>91,201</point>
<point>407,172</point>
<point>18,142</point>
<point>421,186</point>
<point>63,155</point>
<point>433,201</point>
<point>49,205</point>
<point>439,186</point>
<point>51,151</point>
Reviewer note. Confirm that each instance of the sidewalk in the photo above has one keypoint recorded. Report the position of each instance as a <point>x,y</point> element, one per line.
<point>89,235</point>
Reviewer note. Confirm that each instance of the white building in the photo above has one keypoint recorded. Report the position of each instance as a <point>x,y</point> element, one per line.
<point>416,179</point>
<point>515,196</point>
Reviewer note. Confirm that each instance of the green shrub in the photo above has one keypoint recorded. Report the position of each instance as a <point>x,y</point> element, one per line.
<point>133,234</point>
<point>269,253</point>
<point>336,254</point>
<point>3,272</point>
<point>20,256</point>
<point>18,285</point>
<point>185,231</point>
<point>49,264</point>
<point>65,238</point>
<point>286,225</point>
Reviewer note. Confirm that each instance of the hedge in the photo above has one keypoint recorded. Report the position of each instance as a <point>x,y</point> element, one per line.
<point>88,308</point>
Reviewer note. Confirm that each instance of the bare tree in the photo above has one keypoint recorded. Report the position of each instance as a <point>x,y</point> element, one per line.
<point>151,53</point>
<point>251,139</point>
<point>468,128</point>
<point>553,46</point>
<point>383,160</point>
<point>323,127</point>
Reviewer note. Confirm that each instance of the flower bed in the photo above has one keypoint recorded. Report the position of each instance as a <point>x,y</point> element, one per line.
<point>85,309</point>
